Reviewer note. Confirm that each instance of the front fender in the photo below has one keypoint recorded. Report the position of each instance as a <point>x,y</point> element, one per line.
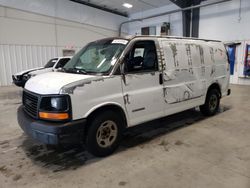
<point>106,104</point>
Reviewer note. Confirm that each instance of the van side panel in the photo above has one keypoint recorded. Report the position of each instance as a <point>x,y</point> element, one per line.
<point>220,67</point>
<point>88,96</point>
<point>190,67</point>
<point>183,78</point>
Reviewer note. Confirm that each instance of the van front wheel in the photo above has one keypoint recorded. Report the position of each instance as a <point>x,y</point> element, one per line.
<point>104,133</point>
<point>212,103</point>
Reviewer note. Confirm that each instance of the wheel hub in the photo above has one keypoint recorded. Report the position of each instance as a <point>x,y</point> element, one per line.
<point>106,134</point>
<point>213,102</point>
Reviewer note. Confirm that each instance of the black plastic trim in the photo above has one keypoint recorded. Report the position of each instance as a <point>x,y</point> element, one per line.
<point>51,132</point>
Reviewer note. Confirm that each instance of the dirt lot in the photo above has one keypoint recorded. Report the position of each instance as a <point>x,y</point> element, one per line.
<point>183,150</point>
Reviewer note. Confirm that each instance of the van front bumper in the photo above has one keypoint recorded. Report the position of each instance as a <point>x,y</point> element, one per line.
<point>50,132</point>
<point>19,83</point>
<point>19,80</point>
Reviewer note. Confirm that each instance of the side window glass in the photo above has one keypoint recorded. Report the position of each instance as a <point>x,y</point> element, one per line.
<point>139,52</point>
<point>62,62</point>
<point>142,58</point>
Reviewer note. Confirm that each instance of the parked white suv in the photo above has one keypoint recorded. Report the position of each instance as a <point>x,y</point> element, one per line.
<point>20,78</point>
<point>115,83</point>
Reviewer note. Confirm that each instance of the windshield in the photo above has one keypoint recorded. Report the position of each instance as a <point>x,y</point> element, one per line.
<point>96,57</point>
<point>51,63</point>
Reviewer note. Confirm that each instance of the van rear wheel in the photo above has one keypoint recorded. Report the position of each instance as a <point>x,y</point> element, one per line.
<point>104,133</point>
<point>212,103</point>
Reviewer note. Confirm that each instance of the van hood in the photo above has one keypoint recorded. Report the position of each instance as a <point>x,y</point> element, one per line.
<point>40,71</point>
<point>28,71</point>
<point>52,82</point>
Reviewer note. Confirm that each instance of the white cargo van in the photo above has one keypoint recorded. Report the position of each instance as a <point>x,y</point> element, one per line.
<point>115,83</point>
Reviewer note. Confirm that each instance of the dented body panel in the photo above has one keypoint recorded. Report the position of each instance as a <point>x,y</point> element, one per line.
<point>188,68</point>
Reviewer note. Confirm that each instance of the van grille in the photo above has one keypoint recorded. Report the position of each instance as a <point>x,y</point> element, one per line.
<point>30,102</point>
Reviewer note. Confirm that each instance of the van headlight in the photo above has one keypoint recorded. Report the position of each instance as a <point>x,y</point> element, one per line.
<point>26,76</point>
<point>58,103</point>
<point>55,108</point>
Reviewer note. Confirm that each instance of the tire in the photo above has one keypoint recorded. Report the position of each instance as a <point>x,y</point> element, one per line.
<point>212,103</point>
<point>104,133</point>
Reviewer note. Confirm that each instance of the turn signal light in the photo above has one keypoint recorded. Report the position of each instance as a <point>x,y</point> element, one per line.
<point>54,116</point>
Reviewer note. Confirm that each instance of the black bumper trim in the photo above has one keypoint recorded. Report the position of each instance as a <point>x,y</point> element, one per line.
<point>19,83</point>
<point>51,132</point>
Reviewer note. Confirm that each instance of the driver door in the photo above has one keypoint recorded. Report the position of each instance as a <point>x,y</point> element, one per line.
<point>142,85</point>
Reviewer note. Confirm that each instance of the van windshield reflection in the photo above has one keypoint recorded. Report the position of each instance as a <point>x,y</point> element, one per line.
<point>96,57</point>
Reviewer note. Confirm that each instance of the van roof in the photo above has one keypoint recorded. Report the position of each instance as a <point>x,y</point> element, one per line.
<point>171,37</point>
<point>131,37</point>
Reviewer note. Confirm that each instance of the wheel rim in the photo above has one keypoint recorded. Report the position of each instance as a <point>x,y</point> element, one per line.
<point>106,134</point>
<point>213,102</point>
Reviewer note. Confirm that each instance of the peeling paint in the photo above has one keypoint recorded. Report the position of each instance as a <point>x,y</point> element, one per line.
<point>188,50</point>
<point>203,69</point>
<point>169,75</point>
<point>70,88</point>
<point>179,94</point>
<point>202,55</point>
<point>126,99</point>
<point>186,95</point>
<point>174,50</point>
<point>162,59</point>
<point>188,80</point>
<point>191,71</point>
<point>212,71</point>
<point>211,50</point>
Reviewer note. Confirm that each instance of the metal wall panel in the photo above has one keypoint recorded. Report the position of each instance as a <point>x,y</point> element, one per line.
<point>16,58</point>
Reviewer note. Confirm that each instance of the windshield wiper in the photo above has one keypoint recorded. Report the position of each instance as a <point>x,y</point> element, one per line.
<point>75,70</point>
